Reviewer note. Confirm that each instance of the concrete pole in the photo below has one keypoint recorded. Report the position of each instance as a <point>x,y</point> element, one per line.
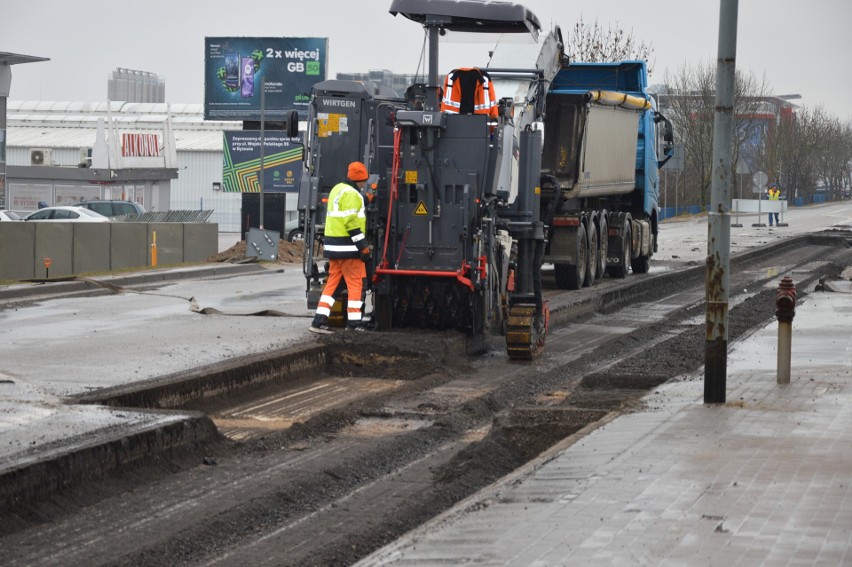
<point>5,87</point>
<point>719,217</point>
<point>262,173</point>
<point>677,189</point>
<point>3,188</point>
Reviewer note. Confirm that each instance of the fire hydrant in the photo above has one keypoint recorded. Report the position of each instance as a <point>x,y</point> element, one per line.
<point>785,310</point>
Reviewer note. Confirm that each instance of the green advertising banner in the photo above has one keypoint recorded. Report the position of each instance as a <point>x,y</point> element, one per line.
<point>235,68</point>
<point>282,162</point>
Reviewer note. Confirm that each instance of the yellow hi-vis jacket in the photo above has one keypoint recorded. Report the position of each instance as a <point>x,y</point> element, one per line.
<point>345,223</point>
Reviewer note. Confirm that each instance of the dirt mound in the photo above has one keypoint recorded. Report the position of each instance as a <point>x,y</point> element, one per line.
<point>288,253</point>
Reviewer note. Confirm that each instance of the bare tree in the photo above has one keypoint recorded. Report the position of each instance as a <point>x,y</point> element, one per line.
<point>591,43</point>
<point>690,103</point>
<point>790,154</point>
<point>834,156</point>
<point>808,149</point>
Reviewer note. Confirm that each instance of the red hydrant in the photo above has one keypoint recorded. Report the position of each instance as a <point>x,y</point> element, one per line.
<point>785,310</point>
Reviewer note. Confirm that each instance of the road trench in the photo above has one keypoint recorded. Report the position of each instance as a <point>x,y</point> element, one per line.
<point>380,373</point>
<point>340,449</point>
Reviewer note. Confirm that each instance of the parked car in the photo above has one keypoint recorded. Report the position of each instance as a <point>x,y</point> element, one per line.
<point>113,208</point>
<point>293,232</point>
<point>9,215</point>
<point>66,214</point>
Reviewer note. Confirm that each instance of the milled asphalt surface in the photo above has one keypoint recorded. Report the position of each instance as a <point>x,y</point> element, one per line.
<point>764,479</point>
<point>38,426</point>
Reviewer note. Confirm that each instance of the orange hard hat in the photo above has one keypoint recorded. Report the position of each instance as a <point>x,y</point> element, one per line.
<point>357,171</point>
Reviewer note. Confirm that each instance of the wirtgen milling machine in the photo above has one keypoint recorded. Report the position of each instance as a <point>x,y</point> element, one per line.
<point>457,220</point>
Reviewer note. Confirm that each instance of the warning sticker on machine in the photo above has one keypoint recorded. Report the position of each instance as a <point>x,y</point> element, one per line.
<point>328,124</point>
<point>421,209</point>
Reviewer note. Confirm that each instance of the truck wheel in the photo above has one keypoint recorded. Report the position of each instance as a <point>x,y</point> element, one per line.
<point>571,276</point>
<point>625,245</point>
<point>592,263</point>
<point>641,265</point>
<point>603,240</point>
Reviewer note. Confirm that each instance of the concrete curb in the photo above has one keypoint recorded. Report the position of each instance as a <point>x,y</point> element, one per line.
<point>70,464</point>
<point>573,309</point>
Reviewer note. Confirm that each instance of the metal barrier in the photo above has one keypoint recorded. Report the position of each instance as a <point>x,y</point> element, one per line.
<point>756,206</point>
<point>167,216</point>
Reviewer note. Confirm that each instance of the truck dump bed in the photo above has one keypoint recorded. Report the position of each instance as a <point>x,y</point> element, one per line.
<point>589,146</point>
<point>593,127</point>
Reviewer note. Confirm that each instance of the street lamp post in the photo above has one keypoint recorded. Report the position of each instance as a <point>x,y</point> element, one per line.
<point>719,217</point>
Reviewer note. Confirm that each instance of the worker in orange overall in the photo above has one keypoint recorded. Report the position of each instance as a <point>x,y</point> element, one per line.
<point>347,249</point>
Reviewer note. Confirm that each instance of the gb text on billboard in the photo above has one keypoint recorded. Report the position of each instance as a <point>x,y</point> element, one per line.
<point>282,162</point>
<point>235,68</point>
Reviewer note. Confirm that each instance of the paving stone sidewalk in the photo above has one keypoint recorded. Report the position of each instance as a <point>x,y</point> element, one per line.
<point>765,479</point>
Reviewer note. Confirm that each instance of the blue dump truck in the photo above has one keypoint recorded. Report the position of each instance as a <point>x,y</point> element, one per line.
<point>482,179</point>
<point>600,171</point>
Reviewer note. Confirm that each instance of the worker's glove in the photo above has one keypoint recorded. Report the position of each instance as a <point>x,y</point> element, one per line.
<point>366,256</point>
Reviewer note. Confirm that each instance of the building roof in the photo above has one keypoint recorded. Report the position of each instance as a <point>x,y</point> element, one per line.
<point>49,124</point>
<point>83,137</point>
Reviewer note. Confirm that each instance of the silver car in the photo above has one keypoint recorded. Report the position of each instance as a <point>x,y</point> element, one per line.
<point>9,216</point>
<point>293,232</point>
<point>66,214</point>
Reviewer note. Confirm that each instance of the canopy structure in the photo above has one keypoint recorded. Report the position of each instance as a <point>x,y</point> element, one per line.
<point>7,58</point>
<point>438,16</point>
<point>6,61</point>
<point>469,15</point>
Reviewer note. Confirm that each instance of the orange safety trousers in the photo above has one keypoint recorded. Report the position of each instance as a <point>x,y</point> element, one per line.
<point>353,272</point>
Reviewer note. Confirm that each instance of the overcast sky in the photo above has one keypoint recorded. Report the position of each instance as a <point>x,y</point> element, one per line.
<point>801,47</point>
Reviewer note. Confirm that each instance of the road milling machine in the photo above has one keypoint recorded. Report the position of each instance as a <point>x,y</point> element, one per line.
<point>471,193</point>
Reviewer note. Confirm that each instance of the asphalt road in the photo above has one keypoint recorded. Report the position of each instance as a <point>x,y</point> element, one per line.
<point>73,345</point>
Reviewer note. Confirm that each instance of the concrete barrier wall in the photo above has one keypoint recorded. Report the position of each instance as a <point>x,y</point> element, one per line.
<point>54,240</point>
<point>200,241</point>
<point>169,242</point>
<point>81,248</point>
<point>128,246</point>
<point>17,250</point>
<point>91,247</point>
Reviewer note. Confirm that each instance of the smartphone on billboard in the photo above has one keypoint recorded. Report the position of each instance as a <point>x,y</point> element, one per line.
<point>247,89</point>
<point>232,71</point>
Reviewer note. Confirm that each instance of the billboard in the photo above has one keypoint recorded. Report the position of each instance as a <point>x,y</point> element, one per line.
<point>282,162</point>
<point>235,68</point>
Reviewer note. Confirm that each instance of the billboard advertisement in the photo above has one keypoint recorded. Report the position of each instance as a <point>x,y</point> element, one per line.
<point>236,67</point>
<point>282,162</point>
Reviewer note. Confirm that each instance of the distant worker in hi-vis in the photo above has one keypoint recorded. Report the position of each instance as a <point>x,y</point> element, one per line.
<point>773,193</point>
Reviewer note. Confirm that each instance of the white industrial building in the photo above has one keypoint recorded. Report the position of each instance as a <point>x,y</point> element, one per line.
<point>64,133</point>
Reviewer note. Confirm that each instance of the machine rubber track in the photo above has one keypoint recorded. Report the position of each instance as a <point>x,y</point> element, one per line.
<point>526,331</point>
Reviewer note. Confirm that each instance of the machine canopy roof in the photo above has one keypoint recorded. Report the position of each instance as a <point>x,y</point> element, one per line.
<point>469,15</point>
